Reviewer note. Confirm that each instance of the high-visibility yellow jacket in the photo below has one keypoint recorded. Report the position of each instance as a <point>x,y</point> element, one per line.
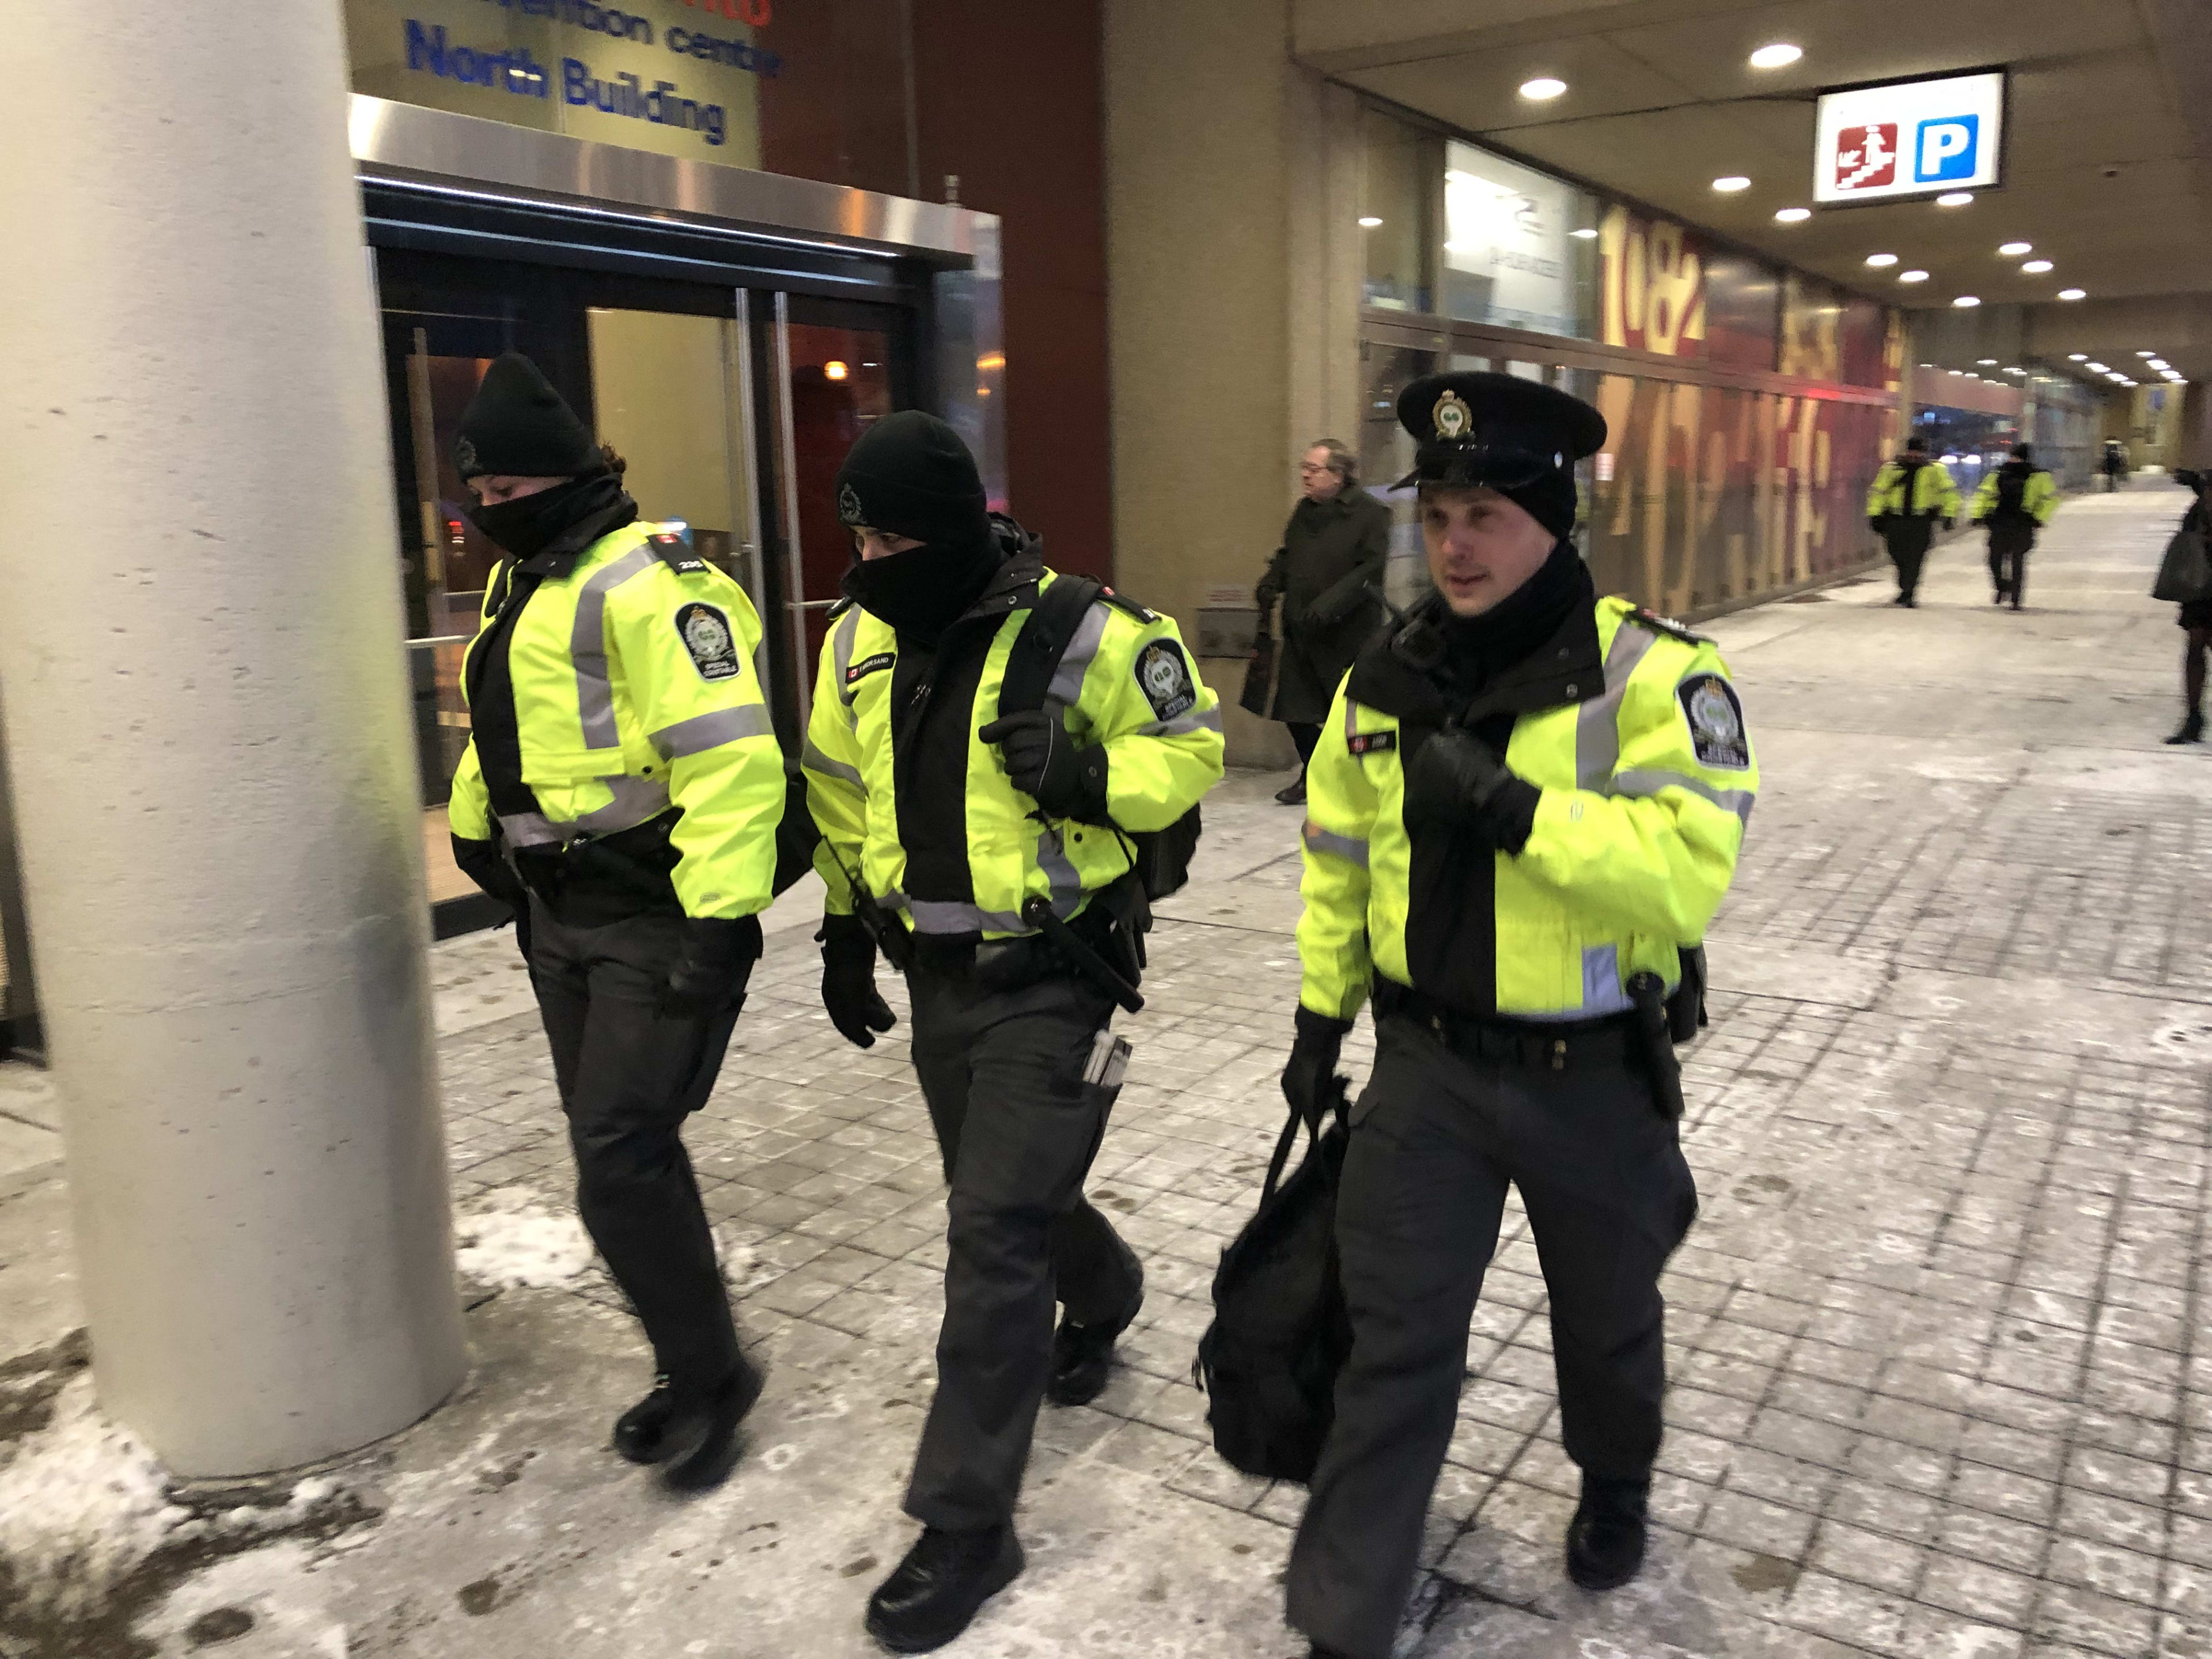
<point>628,665</point>
<point>2039,496</point>
<point>910,800</point>
<point>1935,495</point>
<point>1629,727</point>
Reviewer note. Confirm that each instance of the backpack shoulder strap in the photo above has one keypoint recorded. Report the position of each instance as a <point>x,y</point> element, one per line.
<point>1053,621</point>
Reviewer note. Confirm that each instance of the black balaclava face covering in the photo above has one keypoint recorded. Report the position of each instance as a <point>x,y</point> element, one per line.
<point>532,523</point>
<point>925,590</point>
<point>911,475</point>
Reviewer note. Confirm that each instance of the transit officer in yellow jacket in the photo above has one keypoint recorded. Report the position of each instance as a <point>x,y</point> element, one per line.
<point>945,815</point>
<point>2014,502</point>
<point>1909,497</point>
<point>622,789</point>
<point>1523,812</point>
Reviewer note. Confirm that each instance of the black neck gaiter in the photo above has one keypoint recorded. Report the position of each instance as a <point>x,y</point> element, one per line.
<point>533,523</point>
<point>1478,648</point>
<point>925,590</point>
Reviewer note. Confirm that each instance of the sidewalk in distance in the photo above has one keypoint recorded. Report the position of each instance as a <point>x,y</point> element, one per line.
<point>1940,1378</point>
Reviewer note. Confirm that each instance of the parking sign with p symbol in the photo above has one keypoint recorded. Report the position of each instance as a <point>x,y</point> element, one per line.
<point>1947,149</point>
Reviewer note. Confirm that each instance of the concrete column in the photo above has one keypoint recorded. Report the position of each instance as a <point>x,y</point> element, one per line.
<point>206,721</point>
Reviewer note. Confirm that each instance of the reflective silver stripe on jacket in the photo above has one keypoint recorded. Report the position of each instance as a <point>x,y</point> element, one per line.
<point>587,648</point>
<point>1066,686</point>
<point>711,731</point>
<point>1182,725</point>
<point>953,916</point>
<point>841,654</point>
<point>1602,993</point>
<point>1597,722</point>
<point>814,760</point>
<point>1643,783</point>
<point>1327,841</point>
<point>635,799</point>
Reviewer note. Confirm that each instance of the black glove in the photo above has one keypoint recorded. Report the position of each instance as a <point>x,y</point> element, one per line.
<point>479,860</point>
<point>1046,764</point>
<point>856,1008</point>
<point>709,975</point>
<point>1270,588</point>
<point>1456,782</point>
<point>1313,1063</point>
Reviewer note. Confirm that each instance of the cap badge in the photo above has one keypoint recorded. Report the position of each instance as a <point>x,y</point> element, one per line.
<point>1451,417</point>
<point>849,505</point>
<point>465,453</point>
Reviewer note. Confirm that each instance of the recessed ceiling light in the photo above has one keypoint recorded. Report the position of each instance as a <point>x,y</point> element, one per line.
<point>1927,365</point>
<point>1985,362</point>
<point>2098,368</point>
<point>1780,55</point>
<point>2077,356</point>
<point>1882,261</point>
<point>1541,88</point>
<point>2036,267</point>
<point>2013,250</point>
<point>1586,234</point>
<point>2146,353</point>
<point>2015,371</point>
<point>1793,215</point>
<point>1958,371</point>
<point>1967,301</point>
<point>1956,198</point>
<point>1733,183</point>
<point>1368,222</point>
<point>2073,292</point>
<point>2159,364</point>
<point>1912,275</point>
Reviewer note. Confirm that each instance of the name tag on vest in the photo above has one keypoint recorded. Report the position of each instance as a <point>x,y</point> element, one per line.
<point>869,666</point>
<point>1371,742</point>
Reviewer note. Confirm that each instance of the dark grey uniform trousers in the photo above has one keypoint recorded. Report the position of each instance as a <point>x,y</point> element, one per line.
<point>1436,1137</point>
<point>1002,1072</point>
<point>629,1077</point>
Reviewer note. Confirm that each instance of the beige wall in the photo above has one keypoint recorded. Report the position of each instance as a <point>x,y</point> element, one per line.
<point>1233,282</point>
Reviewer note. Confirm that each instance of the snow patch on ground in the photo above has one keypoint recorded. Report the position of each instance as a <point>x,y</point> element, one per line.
<point>82,1504</point>
<point>514,1243</point>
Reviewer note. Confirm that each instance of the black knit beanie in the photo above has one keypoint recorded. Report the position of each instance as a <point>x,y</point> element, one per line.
<point>910,474</point>
<point>1550,500</point>
<point>517,426</point>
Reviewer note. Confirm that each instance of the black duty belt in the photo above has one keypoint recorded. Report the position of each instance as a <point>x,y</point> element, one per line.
<point>1566,1045</point>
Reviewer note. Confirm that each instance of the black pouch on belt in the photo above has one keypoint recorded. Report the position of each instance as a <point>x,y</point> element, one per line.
<point>1685,1009</point>
<point>1649,994</point>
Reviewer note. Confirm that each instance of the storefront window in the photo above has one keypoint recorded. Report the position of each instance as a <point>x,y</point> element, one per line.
<point>1511,255</point>
<point>1398,168</point>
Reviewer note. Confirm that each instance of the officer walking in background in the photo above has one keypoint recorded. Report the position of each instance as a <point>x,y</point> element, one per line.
<point>1910,495</point>
<point>1523,812</point>
<point>949,820</point>
<point>2014,501</point>
<point>620,789</point>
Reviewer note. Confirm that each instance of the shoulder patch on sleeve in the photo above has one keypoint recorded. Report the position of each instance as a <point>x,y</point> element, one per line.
<point>1709,703</point>
<point>1667,625</point>
<point>713,649</point>
<point>1372,743</point>
<point>1164,678</point>
<point>670,548</point>
<point>1123,602</point>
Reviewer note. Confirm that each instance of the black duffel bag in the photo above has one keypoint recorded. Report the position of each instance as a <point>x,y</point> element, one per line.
<point>1269,1361</point>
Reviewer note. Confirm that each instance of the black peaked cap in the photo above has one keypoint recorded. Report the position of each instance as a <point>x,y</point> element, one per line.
<point>1495,430</point>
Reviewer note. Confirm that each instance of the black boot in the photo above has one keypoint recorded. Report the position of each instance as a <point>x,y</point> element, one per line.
<point>702,1437</point>
<point>1294,792</point>
<point>2192,728</point>
<point>641,1432</point>
<point>1082,1354</point>
<point>1605,1541</point>
<point>946,1577</point>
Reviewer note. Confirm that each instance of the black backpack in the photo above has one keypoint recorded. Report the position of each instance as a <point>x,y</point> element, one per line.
<point>1269,1361</point>
<point>1161,857</point>
<point>2012,493</point>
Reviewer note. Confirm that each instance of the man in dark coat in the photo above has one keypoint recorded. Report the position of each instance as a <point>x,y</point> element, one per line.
<point>1328,574</point>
